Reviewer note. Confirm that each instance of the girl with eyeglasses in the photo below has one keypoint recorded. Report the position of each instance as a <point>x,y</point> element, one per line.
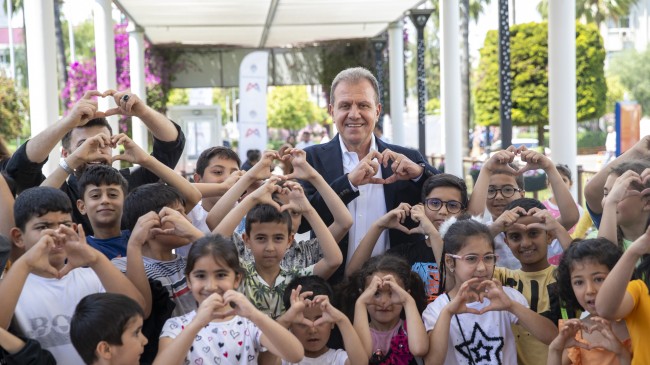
<point>471,323</point>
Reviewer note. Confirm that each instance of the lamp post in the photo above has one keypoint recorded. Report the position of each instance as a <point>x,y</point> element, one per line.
<point>505,84</point>
<point>419,19</point>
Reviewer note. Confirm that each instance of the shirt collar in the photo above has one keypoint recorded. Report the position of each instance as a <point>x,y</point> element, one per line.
<point>344,148</point>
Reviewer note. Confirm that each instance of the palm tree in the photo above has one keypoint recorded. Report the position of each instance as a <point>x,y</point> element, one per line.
<point>595,11</point>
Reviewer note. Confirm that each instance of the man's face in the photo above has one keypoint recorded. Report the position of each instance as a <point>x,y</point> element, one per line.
<point>355,112</point>
<point>217,171</point>
<point>103,204</point>
<point>80,135</point>
<point>33,232</point>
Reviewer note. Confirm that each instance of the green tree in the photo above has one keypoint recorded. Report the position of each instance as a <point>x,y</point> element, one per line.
<point>338,55</point>
<point>84,40</point>
<point>595,11</point>
<point>632,68</point>
<point>529,65</point>
<point>14,109</point>
<point>289,107</point>
<point>615,92</point>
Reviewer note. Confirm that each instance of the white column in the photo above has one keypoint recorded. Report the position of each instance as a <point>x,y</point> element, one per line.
<point>562,82</point>
<point>396,67</point>
<point>10,32</point>
<point>105,55</point>
<point>136,60</point>
<point>43,93</point>
<point>450,86</point>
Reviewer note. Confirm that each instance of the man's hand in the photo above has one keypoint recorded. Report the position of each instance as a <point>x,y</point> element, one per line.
<point>84,110</point>
<point>365,171</point>
<point>128,104</point>
<point>403,168</point>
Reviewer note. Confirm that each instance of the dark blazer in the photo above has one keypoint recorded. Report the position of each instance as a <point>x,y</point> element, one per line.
<point>327,159</point>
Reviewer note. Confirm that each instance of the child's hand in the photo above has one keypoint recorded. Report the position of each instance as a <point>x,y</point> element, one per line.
<point>212,308</point>
<point>262,169</point>
<point>264,194</point>
<point>301,168</point>
<point>546,221</point>
<point>299,301</point>
<point>627,185</point>
<point>507,219</point>
<point>492,290</point>
<point>143,229</point>
<point>132,152</point>
<point>240,304</point>
<point>397,294</point>
<point>425,226</point>
<point>233,178</point>
<point>368,295</point>
<point>37,258</point>
<point>298,202</point>
<point>608,340</point>
<point>79,252</point>
<point>394,219</point>
<point>92,149</point>
<point>500,161</point>
<point>173,222</point>
<point>534,160</point>
<point>567,336</point>
<point>464,295</point>
<point>330,313</point>
<point>642,244</point>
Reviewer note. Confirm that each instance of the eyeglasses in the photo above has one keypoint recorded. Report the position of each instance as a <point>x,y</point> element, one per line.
<point>489,259</point>
<point>453,206</point>
<point>507,191</point>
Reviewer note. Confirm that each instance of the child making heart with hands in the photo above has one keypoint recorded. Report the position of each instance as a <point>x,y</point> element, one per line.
<point>388,298</point>
<point>471,324</point>
<point>226,328</point>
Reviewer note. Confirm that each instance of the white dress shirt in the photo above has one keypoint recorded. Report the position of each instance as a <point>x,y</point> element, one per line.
<point>367,208</point>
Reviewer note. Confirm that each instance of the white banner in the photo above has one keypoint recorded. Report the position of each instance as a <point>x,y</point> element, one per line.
<point>253,79</point>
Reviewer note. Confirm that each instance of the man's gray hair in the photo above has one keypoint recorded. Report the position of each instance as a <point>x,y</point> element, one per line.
<point>353,75</point>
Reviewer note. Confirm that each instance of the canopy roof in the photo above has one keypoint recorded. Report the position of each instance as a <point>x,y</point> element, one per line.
<point>262,23</point>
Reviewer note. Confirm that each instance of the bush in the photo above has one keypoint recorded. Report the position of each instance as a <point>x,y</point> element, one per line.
<point>14,109</point>
<point>591,139</point>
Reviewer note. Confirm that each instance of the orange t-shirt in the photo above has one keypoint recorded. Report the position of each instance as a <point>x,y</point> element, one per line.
<point>580,356</point>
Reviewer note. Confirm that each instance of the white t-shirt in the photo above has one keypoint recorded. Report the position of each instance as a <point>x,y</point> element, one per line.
<point>486,339</point>
<point>197,216</point>
<point>331,357</point>
<point>236,341</point>
<point>46,306</point>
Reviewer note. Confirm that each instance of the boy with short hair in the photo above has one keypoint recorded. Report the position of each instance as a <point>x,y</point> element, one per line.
<point>269,234</point>
<point>106,329</point>
<point>529,230</point>
<point>58,269</point>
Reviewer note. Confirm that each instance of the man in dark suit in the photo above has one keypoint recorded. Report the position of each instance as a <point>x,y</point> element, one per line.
<point>369,175</point>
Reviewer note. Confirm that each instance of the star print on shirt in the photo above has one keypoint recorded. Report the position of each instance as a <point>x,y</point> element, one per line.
<point>481,347</point>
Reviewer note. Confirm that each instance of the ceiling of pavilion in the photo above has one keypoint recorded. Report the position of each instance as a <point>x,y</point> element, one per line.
<point>262,23</point>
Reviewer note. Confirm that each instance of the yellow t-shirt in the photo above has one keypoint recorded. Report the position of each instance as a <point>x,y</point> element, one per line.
<point>535,286</point>
<point>638,321</point>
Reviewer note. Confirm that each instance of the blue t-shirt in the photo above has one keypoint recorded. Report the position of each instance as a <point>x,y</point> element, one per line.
<point>111,247</point>
<point>595,217</point>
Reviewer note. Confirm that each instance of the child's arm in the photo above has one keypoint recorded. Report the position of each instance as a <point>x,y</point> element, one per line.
<point>417,335</point>
<point>7,211</point>
<point>234,216</point>
<point>613,301</point>
<point>439,336</point>
<point>498,161</point>
<point>332,256</point>
<point>622,189</point>
<point>557,353</point>
<point>136,155</point>
<point>506,219</point>
<point>35,260</point>
<point>304,171</point>
<point>180,225</point>
<point>134,264</point>
<point>276,338</point>
<point>569,213</point>
<point>80,254</point>
<point>361,324</point>
<point>172,351</point>
<point>540,327</point>
<point>550,225</point>
<point>351,341</point>
<point>426,227</point>
<point>392,219</point>
<point>260,171</point>
<point>90,150</point>
<point>219,189</point>
<point>295,313</point>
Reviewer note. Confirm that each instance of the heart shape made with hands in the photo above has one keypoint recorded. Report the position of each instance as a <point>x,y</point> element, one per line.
<point>125,101</point>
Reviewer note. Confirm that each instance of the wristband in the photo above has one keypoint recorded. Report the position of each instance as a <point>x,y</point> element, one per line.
<point>64,165</point>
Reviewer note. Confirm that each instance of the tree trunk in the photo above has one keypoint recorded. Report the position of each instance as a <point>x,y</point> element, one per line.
<point>63,65</point>
<point>464,75</point>
<point>540,137</point>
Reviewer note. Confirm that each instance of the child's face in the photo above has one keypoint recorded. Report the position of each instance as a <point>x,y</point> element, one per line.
<point>529,245</point>
<point>464,269</point>
<point>444,193</point>
<point>296,218</point>
<point>218,170</point>
<point>209,276</point>
<point>133,342</point>
<point>629,209</point>
<point>103,204</point>
<point>34,230</point>
<point>268,242</point>
<point>586,278</point>
<point>384,312</point>
<point>313,338</point>
<point>497,204</point>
